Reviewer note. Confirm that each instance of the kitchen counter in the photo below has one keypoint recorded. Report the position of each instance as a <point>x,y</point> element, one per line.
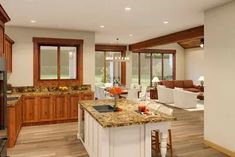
<point>125,133</point>
<point>128,115</point>
<point>41,93</point>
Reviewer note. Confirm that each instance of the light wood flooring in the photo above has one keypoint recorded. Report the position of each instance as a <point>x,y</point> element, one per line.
<point>60,139</point>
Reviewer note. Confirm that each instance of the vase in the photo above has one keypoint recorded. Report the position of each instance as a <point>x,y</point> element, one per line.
<point>115,106</point>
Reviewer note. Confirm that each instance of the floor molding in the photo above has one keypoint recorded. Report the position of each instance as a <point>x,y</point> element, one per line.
<point>219,148</point>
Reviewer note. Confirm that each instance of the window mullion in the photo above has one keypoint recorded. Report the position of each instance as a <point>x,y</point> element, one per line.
<point>58,62</point>
<point>105,81</point>
<point>162,66</point>
<point>151,68</point>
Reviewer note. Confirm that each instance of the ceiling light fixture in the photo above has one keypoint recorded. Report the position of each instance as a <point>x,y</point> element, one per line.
<point>202,43</point>
<point>127,8</point>
<point>102,26</point>
<point>130,35</point>
<point>33,21</point>
<point>165,22</point>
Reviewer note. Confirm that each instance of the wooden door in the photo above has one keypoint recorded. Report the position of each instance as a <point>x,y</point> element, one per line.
<point>29,109</point>
<point>60,107</point>
<point>73,108</point>
<point>45,108</point>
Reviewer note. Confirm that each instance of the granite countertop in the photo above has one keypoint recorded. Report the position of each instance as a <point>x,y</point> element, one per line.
<point>17,95</point>
<point>128,115</point>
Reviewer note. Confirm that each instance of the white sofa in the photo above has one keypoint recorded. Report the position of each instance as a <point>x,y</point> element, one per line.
<point>165,95</point>
<point>184,99</point>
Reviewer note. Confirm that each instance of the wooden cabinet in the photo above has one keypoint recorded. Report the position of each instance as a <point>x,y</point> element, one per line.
<point>45,108</point>
<point>1,41</point>
<point>8,53</point>
<point>87,96</point>
<point>73,106</point>
<point>52,108</point>
<point>14,122</point>
<point>4,18</point>
<point>29,109</point>
<point>60,107</point>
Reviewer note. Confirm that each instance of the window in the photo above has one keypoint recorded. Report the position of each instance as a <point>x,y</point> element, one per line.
<point>57,61</point>
<point>149,63</point>
<point>107,69</point>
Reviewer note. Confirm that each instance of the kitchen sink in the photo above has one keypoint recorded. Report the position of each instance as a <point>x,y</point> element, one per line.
<point>104,108</point>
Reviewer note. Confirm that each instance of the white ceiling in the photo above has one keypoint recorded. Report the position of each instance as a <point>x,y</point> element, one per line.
<point>144,21</point>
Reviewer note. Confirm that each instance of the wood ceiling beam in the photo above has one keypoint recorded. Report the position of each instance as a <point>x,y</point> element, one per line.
<point>103,47</point>
<point>170,38</point>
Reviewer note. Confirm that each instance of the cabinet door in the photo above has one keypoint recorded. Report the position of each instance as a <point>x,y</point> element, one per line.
<point>11,124</point>
<point>1,41</point>
<point>45,108</point>
<point>8,54</point>
<point>60,108</point>
<point>73,109</point>
<point>29,109</point>
<point>87,96</point>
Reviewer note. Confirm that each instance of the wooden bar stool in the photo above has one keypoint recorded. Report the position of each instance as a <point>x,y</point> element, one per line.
<point>156,142</point>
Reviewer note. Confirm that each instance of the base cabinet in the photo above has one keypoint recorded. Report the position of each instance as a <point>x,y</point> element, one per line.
<point>52,108</point>
<point>45,108</point>
<point>14,118</point>
<point>74,105</point>
<point>60,108</point>
<point>29,109</point>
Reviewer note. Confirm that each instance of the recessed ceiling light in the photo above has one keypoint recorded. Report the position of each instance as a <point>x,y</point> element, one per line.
<point>130,35</point>
<point>102,26</point>
<point>165,22</point>
<point>127,8</point>
<point>33,21</point>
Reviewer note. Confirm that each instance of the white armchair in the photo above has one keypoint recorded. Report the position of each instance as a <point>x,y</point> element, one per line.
<point>165,95</point>
<point>185,99</point>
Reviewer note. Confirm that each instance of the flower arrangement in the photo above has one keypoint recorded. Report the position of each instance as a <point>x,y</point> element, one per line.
<point>115,92</point>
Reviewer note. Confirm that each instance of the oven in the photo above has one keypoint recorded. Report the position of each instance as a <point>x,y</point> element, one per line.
<point>3,108</point>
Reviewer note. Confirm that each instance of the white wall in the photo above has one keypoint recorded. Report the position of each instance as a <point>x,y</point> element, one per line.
<point>22,74</point>
<point>194,64</point>
<point>220,76</point>
<point>179,58</point>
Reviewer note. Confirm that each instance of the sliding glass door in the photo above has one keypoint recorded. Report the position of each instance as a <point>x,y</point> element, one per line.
<point>153,63</point>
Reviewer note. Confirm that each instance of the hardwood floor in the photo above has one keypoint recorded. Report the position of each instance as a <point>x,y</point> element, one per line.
<point>60,139</point>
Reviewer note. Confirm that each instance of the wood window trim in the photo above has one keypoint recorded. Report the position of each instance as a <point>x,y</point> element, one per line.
<point>160,51</point>
<point>37,42</point>
<point>115,48</point>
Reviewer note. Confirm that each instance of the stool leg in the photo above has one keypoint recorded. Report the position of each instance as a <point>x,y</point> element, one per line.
<point>157,141</point>
<point>170,142</point>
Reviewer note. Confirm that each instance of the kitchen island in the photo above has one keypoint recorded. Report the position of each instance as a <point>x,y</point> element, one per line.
<point>120,134</point>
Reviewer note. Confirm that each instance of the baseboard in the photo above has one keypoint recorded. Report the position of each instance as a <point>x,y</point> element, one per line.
<point>219,148</point>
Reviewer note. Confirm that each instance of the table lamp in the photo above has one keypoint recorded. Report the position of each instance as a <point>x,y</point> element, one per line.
<point>201,80</point>
<point>155,81</point>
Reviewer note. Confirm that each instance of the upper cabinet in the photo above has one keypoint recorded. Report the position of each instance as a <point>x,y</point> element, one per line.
<point>3,19</point>
<point>8,42</point>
